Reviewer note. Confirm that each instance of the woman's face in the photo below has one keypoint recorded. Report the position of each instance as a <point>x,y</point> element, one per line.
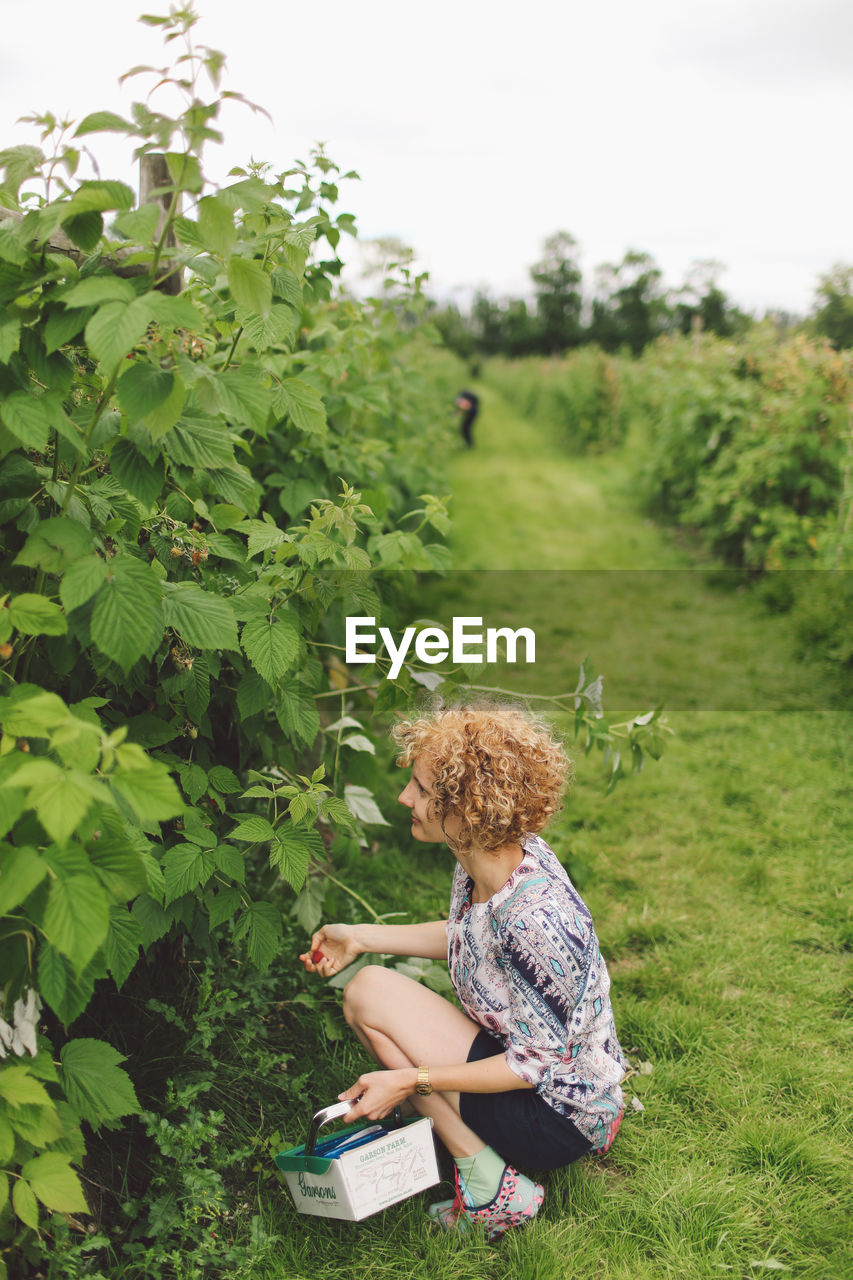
<point>417,796</point>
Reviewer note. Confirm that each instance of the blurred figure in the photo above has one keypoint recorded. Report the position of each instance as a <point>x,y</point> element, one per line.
<point>468,404</point>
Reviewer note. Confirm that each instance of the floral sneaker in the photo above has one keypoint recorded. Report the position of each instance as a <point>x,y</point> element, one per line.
<point>516,1202</point>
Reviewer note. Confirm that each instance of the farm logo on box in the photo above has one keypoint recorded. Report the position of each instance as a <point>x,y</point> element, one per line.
<point>433,645</point>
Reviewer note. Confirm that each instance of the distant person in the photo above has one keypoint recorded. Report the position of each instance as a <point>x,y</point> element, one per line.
<point>468,404</point>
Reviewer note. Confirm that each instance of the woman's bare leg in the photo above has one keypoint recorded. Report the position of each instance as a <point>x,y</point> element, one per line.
<point>403,1024</point>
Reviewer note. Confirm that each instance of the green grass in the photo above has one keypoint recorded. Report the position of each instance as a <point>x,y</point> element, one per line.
<point>720,883</point>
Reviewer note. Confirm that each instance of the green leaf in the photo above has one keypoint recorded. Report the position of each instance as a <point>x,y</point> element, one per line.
<point>250,285</point>
<point>143,388</point>
<point>64,326</point>
<point>95,290</point>
<point>101,195</point>
<point>55,544</point>
<point>186,867</point>
<point>85,229</point>
<point>118,866</point>
<point>21,871</point>
<point>153,921</point>
<point>139,225</point>
<point>165,417</point>
<point>199,442</point>
<point>272,646</point>
<point>35,615</point>
<point>277,330</point>
<point>127,619</point>
<point>24,1204</point>
<point>121,949</point>
<point>94,1083</point>
<point>30,711</point>
<point>103,122</point>
<point>115,329</point>
<point>81,580</point>
<point>142,479</point>
<point>254,829</point>
<point>201,618</point>
<point>174,312</point>
<point>7,1143</point>
<point>55,1183</point>
<point>28,418</point>
<point>260,924</point>
<point>292,852</point>
<point>193,781</point>
<point>10,336</point>
<point>296,712</point>
<point>61,798</point>
<point>224,781</point>
<point>77,917</point>
<point>253,695</point>
<point>21,1089</point>
<point>263,536</point>
<point>222,907</point>
<point>302,403</point>
<point>66,991</point>
<point>145,785</point>
<point>197,688</point>
<point>287,285</point>
<point>230,862</point>
<point>216,225</point>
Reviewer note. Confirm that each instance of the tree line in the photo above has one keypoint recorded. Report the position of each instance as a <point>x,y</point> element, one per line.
<point>629,308</point>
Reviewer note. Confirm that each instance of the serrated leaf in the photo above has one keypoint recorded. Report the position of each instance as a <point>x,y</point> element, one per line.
<point>308,907</point>
<point>261,536</point>
<point>21,871</point>
<point>223,906</point>
<point>35,615</point>
<point>253,695</point>
<point>103,122</point>
<point>271,645</point>
<point>199,443</point>
<point>55,544</point>
<point>250,285</point>
<point>94,1083</point>
<point>203,619</point>
<point>81,581</point>
<point>143,388</point>
<point>358,742</point>
<point>77,917</point>
<point>361,804</point>
<point>230,862</point>
<point>224,781</point>
<point>66,991</point>
<point>260,924</point>
<point>127,620</point>
<point>28,418</point>
<point>153,921</point>
<point>302,404</point>
<point>141,478</point>
<point>145,785</point>
<point>119,866</point>
<point>186,867</point>
<point>95,290</point>
<point>10,336</point>
<point>62,799</point>
<point>193,781</point>
<point>64,326</point>
<point>296,712</point>
<point>19,1088</point>
<point>115,328</point>
<point>216,225</point>
<point>24,1204</point>
<point>101,195</point>
<point>254,830</point>
<point>55,1183</point>
<point>121,949</point>
<point>292,851</point>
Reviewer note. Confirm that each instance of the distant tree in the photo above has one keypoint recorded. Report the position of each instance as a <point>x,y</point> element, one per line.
<point>557,282</point>
<point>629,308</point>
<point>487,324</point>
<point>832,314</point>
<point>455,330</point>
<point>700,302</point>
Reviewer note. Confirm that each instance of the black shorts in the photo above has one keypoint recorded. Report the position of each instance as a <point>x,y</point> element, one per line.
<point>517,1123</point>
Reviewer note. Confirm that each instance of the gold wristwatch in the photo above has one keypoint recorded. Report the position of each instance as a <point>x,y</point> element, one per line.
<point>423,1086</point>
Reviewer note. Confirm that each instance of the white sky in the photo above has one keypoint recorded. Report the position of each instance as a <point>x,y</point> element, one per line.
<point>686,128</point>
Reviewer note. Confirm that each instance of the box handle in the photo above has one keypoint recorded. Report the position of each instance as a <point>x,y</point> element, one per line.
<point>334,1112</point>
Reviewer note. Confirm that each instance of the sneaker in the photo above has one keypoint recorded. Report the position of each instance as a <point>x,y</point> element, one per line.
<point>512,1206</point>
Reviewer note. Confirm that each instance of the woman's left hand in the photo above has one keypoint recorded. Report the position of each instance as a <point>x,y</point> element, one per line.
<point>379,1092</point>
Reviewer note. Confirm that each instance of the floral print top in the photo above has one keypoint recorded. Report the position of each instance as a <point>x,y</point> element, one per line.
<point>526,966</point>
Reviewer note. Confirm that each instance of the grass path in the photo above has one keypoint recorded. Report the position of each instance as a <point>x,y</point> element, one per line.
<point>720,882</point>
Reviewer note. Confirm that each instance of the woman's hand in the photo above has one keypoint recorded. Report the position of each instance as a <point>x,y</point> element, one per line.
<point>332,948</point>
<point>379,1092</point>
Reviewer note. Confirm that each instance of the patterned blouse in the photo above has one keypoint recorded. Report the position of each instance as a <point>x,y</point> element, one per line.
<point>527,967</point>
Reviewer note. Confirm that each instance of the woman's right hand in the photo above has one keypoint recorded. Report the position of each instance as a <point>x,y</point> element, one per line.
<point>332,948</point>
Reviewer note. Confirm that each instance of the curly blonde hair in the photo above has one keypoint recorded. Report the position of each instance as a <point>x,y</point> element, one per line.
<point>496,766</point>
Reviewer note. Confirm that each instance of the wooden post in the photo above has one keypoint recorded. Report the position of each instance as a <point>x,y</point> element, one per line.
<point>154,179</point>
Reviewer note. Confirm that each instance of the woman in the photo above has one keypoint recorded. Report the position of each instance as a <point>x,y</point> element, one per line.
<point>528,1070</point>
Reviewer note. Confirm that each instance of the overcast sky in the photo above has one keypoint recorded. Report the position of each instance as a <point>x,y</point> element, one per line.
<point>686,128</point>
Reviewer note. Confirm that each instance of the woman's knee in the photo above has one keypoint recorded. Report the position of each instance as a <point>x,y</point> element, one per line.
<point>363,994</point>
